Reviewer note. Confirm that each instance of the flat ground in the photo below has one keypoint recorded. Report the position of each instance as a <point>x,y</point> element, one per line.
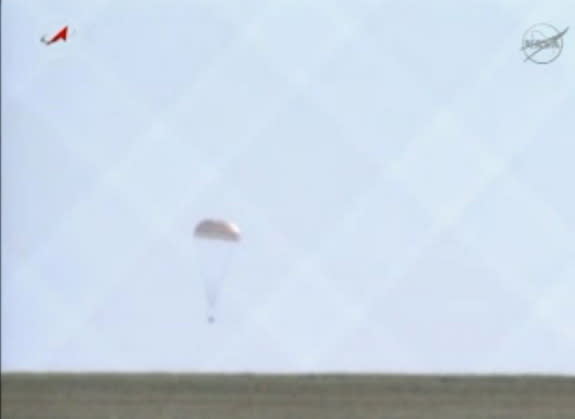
<point>161,396</point>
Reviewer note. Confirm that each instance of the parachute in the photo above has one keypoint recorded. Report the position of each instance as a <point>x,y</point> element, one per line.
<point>215,241</point>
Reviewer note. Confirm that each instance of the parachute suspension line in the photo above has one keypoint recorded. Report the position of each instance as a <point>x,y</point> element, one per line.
<point>215,261</point>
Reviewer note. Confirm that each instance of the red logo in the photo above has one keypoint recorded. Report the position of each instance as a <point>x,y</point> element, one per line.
<point>62,34</point>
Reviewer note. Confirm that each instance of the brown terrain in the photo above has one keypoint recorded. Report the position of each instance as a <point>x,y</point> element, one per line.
<point>164,396</point>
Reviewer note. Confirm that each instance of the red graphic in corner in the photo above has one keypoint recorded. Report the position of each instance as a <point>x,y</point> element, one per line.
<point>61,35</point>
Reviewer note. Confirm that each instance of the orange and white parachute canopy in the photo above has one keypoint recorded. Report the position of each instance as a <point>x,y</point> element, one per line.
<point>217,230</point>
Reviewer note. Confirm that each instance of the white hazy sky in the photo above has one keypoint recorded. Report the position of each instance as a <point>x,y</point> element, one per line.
<point>403,179</point>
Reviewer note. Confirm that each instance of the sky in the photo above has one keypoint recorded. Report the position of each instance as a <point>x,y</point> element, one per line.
<point>402,177</point>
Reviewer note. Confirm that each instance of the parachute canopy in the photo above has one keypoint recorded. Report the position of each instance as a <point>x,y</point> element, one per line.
<point>217,230</point>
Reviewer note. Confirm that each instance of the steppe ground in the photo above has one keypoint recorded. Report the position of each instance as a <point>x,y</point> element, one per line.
<point>164,396</point>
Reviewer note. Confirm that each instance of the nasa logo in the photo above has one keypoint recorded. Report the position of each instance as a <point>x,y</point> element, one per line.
<point>542,43</point>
